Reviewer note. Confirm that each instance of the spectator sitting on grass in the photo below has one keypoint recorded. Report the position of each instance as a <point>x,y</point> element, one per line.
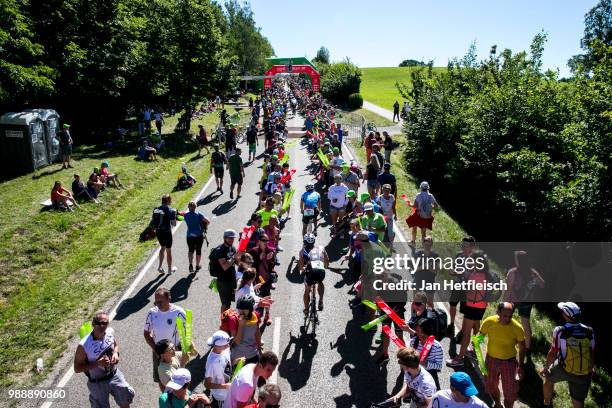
<point>81,192</point>
<point>61,198</point>
<point>147,152</point>
<point>94,183</point>
<point>108,176</point>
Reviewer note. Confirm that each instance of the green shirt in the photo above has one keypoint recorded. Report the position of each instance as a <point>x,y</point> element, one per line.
<point>371,223</point>
<point>265,216</point>
<point>176,403</point>
<point>235,165</point>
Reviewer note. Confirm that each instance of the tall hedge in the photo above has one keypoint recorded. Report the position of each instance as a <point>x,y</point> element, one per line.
<point>514,152</point>
<point>339,80</point>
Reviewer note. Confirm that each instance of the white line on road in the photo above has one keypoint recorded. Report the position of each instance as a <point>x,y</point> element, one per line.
<point>276,346</point>
<point>68,375</point>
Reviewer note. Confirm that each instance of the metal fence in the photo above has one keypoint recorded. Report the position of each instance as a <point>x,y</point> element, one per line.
<point>353,125</point>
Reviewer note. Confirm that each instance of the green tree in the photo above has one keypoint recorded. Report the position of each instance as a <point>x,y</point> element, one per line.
<point>24,76</point>
<point>322,56</point>
<point>245,40</point>
<point>598,26</point>
<point>339,80</point>
<point>411,63</point>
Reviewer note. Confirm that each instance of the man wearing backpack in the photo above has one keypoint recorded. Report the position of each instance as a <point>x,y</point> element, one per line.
<point>222,266</point>
<point>571,357</point>
<point>164,218</point>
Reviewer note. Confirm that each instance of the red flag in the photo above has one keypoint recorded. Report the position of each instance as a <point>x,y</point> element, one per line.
<point>426,349</point>
<point>247,232</point>
<point>393,337</point>
<point>389,312</point>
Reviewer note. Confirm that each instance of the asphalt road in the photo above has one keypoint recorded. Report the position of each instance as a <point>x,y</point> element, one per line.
<point>335,369</point>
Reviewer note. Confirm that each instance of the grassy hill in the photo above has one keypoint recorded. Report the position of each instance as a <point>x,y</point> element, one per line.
<point>378,84</point>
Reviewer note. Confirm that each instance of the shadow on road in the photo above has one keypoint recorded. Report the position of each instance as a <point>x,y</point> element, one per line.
<point>224,208</point>
<point>296,368</point>
<point>140,299</point>
<point>367,380</point>
<point>180,290</point>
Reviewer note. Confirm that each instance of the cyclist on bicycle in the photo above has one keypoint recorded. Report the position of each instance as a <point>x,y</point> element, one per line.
<point>313,261</point>
<point>311,207</point>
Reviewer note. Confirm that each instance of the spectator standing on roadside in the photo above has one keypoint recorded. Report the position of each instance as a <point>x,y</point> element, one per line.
<point>159,120</point>
<point>462,394</point>
<point>164,218</point>
<point>242,390</point>
<point>160,324</point>
<point>523,280</point>
<point>65,140</point>
<point>504,335</point>
<point>197,224</point>
<point>97,355</point>
<point>218,369</point>
<point>422,217</point>
<point>396,107</point>
<point>388,145</point>
<point>177,393</point>
<point>223,261</point>
<point>571,357</point>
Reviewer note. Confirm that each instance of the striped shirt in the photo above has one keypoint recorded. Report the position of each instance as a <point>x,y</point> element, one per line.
<point>435,358</point>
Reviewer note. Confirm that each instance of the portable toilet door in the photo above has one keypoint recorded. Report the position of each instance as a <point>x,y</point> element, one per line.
<point>50,120</point>
<point>22,137</point>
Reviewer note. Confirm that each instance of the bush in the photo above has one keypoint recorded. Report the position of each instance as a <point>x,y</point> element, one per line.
<point>339,80</point>
<point>355,101</point>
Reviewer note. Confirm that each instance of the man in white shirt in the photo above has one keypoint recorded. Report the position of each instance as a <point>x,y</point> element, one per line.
<point>337,200</point>
<point>218,368</point>
<point>418,383</point>
<point>462,394</point>
<point>336,162</point>
<point>160,324</point>
<point>242,390</point>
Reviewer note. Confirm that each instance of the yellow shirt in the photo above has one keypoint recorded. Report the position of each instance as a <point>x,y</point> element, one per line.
<point>502,338</point>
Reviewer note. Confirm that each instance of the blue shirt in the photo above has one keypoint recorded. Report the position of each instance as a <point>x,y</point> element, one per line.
<point>386,178</point>
<point>194,223</point>
<point>340,135</point>
<point>311,199</point>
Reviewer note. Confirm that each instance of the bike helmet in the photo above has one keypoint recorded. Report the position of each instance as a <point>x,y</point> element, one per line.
<point>310,187</point>
<point>277,175</point>
<point>309,238</point>
<point>246,302</point>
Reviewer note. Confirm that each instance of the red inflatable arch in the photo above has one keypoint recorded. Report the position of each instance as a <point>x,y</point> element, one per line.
<point>297,69</point>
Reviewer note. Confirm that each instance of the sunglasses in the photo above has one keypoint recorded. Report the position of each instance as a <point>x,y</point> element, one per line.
<point>99,323</point>
<point>417,303</point>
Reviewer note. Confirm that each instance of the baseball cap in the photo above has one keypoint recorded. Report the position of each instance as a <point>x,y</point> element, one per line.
<point>463,383</point>
<point>569,308</point>
<point>387,165</point>
<point>351,193</point>
<point>336,150</point>
<point>230,233</point>
<point>66,126</point>
<point>368,207</point>
<point>179,378</point>
<point>219,338</point>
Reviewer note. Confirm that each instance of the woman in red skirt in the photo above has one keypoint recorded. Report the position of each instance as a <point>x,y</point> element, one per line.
<point>422,217</point>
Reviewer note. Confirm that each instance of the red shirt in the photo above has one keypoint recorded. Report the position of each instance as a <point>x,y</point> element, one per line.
<point>56,195</point>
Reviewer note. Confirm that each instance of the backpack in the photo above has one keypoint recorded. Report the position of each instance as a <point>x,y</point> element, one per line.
<point>577,349</point>
<point>226,317</point>
<point>213,262</point>
<point>439,321</point>
<point>157,218</point>
<point>147,234</point>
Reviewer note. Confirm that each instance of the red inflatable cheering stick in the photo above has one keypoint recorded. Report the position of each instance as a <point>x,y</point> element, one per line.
<point>426,349</point>
<point>247,232</point>
<point>287,177</point>
<point>389,312</point>
<point>393,337</point>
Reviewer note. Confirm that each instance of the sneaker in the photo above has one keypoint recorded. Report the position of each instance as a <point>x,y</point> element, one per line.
<point>161,270</point>
<point>198,267</point>
<point>190,268</point>
<point>454,362</point>
<point>231,194</point>
<point>173,269</point>
<point>383,358</point>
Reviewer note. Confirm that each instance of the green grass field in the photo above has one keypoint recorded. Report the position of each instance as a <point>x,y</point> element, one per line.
<point>378,84</point>
<point>59,267</point>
